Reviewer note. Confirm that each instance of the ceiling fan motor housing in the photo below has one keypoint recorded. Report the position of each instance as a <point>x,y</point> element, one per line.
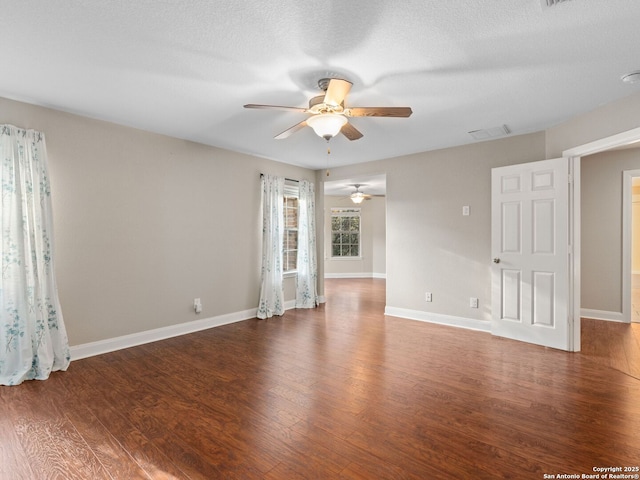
<point>323,83</point>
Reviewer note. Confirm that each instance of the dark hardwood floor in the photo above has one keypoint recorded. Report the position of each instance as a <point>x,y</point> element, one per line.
<point>616,345</point>
<point>339,392</point>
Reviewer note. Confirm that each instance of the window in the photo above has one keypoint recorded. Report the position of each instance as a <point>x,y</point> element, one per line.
<point>345,232</point>
<point>290,241</point>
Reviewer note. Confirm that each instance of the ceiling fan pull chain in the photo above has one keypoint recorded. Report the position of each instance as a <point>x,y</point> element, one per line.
<point>328,153</point>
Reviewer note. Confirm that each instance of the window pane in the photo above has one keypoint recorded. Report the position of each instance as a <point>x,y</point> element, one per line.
<point>345,228</point>
<point>290,218</point>
<point>290,261</point>
<point>291,239</point>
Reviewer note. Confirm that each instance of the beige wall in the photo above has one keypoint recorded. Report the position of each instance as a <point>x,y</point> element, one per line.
<point>379,235</point>
<point>430,245</point>
<point>145,223</point>
<point>373,239</point>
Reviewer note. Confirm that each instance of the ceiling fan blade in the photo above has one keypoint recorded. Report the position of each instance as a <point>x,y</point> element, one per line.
<point>351,132</point>
<point>290,131</point>
<point>337,90</point>
<point>275,107</point>
<point>378,112</point>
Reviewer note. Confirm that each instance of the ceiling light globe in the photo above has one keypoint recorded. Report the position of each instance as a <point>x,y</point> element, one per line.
<point>327,125</point>
<point>357,197</point>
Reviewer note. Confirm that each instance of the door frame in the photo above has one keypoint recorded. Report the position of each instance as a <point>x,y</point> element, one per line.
<point>627,246</point>
<point>574,156</point>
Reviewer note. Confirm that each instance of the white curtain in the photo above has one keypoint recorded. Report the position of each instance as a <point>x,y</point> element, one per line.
<point>307,266</point>
<point>271,293</point>
<point>33,340</point>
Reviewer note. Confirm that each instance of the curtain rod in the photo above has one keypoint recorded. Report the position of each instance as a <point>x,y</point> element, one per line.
<point>287,179</point>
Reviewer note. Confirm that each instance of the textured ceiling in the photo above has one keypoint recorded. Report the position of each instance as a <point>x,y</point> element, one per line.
<point>186,69</point>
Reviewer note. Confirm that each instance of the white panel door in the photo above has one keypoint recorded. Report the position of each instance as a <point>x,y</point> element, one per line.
<point>530,250</point>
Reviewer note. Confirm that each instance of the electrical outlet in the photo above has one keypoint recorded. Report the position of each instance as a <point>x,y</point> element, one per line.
<point>473,302</point>
<point>428,297</point>
<point>465,210</point>
<point>197,305</point>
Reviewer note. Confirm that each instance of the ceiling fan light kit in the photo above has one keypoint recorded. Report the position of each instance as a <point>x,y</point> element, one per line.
<point>327,125</point>
<point>357,197</point>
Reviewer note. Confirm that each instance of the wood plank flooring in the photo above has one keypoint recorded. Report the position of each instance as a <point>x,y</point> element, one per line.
<point>338,392</point>
<point>614,344</point>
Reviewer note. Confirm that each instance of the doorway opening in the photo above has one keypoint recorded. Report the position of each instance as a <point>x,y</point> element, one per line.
<point>575,155</point>
<point>631,246</point>
<point>355,227</point>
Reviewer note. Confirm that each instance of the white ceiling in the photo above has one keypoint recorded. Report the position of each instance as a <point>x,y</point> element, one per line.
<point>186,69</point>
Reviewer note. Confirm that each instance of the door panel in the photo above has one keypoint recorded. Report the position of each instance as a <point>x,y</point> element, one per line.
<point>530,286</point>
<point>543,227</point>
<point>511,226</point>
<point>543,293</point>
<point>511,295</point>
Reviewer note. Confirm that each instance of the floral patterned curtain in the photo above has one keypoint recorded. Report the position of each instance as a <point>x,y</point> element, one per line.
<point>271,293</point>
<point>33,340</point>
<point>306,280</point>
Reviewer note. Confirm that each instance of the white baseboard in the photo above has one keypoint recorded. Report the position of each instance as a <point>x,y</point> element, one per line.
<point>355,275</point>
<point>601,315</point>
<point>126,341</point>
<point>450,320</point>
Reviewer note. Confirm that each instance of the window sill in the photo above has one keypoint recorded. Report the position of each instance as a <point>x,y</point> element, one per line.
<point>292,273</point>
<point>345,258</point>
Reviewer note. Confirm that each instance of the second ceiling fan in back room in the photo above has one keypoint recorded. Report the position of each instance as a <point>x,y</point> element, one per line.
<point>329,116</point>
<point>358,196</point>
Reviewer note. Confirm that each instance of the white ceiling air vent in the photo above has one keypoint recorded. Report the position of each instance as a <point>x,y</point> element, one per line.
<point>487,133</point>
<point>551,3</point>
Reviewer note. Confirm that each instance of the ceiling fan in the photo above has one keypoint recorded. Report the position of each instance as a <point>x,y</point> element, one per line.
<point>329,115</point>
<point>357,196</point>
